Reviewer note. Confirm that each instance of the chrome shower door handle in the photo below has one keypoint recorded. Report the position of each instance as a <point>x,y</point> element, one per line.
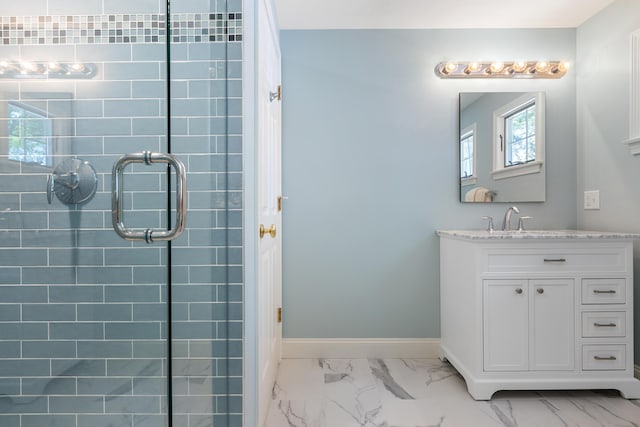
<point>148,235</point>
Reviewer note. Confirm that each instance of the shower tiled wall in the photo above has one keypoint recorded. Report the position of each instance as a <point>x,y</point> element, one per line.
<point>83,312</point>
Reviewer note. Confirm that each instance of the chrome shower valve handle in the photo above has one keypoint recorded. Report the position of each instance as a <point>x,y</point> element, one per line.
<point>74,182</point>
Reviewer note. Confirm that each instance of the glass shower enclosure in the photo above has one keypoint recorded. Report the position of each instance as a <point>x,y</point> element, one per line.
<point>120,213</point>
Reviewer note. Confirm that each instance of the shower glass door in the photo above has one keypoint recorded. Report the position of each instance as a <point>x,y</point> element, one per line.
<point>97,330</point>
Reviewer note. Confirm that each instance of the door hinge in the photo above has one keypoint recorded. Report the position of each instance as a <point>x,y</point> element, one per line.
<point>279,315</point>
<point>279,203</point>
<point>279,92</point>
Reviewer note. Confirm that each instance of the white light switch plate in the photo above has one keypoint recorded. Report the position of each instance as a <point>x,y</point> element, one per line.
<point>592,200</point>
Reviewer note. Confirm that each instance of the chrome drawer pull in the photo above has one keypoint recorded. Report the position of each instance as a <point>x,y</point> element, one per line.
<point>610,291</point>
<point>555,260</point>
<point>605,357</point>
<point>605,325</point>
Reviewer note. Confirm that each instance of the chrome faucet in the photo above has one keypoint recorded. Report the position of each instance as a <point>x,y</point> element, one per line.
<point>506,225</point>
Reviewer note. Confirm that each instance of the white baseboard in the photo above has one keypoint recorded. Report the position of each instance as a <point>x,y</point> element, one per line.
<point>636,371</point>
<point>352,348</point>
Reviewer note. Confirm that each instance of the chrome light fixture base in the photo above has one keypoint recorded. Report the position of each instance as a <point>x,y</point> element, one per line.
<point>503,70</point>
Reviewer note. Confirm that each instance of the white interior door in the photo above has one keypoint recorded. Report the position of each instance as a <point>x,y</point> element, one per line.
<point>269,205</point>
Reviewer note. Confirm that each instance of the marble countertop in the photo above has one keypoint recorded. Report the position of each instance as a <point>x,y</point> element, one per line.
<point>535,234</point>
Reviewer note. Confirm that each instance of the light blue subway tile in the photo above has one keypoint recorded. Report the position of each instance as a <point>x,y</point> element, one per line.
<point>127,6</point>
<point>70,7</point>
<point>48,349</point>
<point>208,311</point>
<point>148,420</point>
<point>23,331</point>
<point>104,386</point>
<point>197,404</point>
<point>132,108</point>
<point>154,89</point>
<point>194,330</point>
<point>207,163</point>
<point>191,107</point>
<point>194,292</point>
<point>48,275</point>
<point>135,368</point>
<point>75,330</point>
<point>13,294</point>
<point>48,238</point>
<point>75,293</point>
<point>23,220</point>
<point>193,256</point>
<point>133,256</point>
<point>150,312</point>
<point>149,126</point>
<point>194,367</point>
<point>189,70</point>
<point>132,330</point>
<point>105,421</point>
<point>9,386</point>
<point>104,349</point>
<point>229,255</point>
<point>230,218</point>
<point>10,350</point>
<point>229,367</point>
<point>86,145</point>
<point>100,239</point>
<point>9,420</point>
<point>76,404</point>
<point>100,127</point>
<point>35,7</point>
<point>9,202</point>
<point>150,386</point>
<point>100,89</point>
<point>16,183</point>
<point>75,256</point>
<point>133,293</point>
<point>48,420</point>
<point>216,274</point>
<point>48,386</point>
<point>149,52</point>
<point>22,257</point>
<point>230,330</point>
<point>230,292</point>
<point>75,220</point>
<point>104,312</point>
<point>131,71</point>
<point>78,368</point>
<point>127,144</point>
<point>9,312</point>
<point>48,312</point>
<point>24,368</point>
<point>104,275</point>
<point>231,404</point>
<point>149,349</point>
<point>24,405</point>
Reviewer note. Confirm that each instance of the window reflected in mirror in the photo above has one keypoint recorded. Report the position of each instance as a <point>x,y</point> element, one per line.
<point>501,146</point>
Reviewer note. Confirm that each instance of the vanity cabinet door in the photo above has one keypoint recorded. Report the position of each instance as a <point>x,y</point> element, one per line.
<point>552,330</point>
<point>506,320</point>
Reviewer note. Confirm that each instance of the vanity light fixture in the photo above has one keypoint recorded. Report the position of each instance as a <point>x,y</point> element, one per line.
<point>46,70</point>
<point>500,69</point>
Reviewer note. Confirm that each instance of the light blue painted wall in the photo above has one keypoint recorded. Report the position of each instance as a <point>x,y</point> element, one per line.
<point>370,168</point>
<point>604,72</point>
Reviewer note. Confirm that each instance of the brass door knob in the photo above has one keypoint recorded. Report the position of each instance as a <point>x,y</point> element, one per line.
<point>271,231</point>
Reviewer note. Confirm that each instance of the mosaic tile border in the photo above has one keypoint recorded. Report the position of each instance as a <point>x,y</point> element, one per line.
<point>120,29</point>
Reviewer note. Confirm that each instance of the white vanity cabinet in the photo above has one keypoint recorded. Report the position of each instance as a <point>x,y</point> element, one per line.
<point>535,311</point>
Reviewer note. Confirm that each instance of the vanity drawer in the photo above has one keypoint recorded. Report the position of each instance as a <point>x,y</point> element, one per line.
<point>547,259</point>
<point>603,357</point>
<point>604,291</point>
<point>604,324</point>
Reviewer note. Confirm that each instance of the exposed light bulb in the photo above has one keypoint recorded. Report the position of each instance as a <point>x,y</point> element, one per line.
<point>473,67</point>
<point>27,66</point>
<point>53,66</point>
<point>564,66</point>
<point>519,66</point>
<point>542,66</point>
<point>450,67</point>
<point>496,67</point>
<point>78,67</point>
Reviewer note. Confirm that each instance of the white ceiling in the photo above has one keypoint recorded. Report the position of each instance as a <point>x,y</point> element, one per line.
<point>360,14</point>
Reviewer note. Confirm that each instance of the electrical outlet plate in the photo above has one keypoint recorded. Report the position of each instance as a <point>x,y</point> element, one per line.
<point>592,200</point>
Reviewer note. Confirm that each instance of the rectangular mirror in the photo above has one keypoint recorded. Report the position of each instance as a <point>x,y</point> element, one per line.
<point>501,146</point>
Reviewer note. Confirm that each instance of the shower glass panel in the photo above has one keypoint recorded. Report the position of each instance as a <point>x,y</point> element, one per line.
<point>96,330</point>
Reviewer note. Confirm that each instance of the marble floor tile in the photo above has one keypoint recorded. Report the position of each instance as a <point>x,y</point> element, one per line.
<point>425,393</point>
